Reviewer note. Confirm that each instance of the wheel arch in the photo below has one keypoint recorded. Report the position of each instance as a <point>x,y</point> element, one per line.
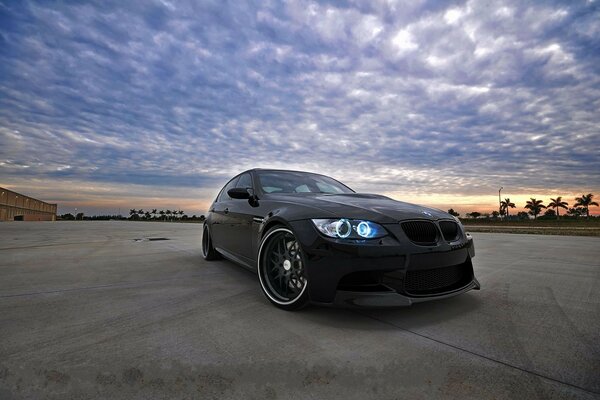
<point>270,224</point>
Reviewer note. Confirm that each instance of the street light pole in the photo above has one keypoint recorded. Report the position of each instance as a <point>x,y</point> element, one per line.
<point>500,202</point>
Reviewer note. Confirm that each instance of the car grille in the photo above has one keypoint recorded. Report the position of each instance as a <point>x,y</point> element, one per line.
<point>420,232</point>
<point>437,280</point>
<point>449,230</point>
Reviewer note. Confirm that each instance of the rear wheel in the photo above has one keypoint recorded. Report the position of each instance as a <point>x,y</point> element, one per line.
<point>208,251</point>
<point>281,270</point>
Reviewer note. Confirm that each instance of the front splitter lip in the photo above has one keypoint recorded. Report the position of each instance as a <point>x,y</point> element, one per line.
<point>391,299</point>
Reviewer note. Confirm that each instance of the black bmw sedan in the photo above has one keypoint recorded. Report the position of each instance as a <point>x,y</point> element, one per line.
<point>312,239</point>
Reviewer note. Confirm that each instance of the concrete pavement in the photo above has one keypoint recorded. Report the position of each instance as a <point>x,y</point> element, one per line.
<point>95,310</point>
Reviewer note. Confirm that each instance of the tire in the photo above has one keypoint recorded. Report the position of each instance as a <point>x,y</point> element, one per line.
<point>208,251</point>
<point>281,270</point>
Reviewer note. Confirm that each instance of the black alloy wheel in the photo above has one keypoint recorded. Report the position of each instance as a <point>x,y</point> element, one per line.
<point>281,270</point>
<point>208,251</point>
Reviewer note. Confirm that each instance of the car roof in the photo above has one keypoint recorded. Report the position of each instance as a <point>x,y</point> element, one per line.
<point>280,170</point>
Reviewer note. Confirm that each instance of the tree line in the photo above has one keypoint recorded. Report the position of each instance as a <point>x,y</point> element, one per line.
<point>137,215</point>
<point>535,207</point>
<point>161,215</point>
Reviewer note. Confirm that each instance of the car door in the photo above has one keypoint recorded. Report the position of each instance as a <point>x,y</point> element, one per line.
<point>220,219</point>
<point>241,214</point>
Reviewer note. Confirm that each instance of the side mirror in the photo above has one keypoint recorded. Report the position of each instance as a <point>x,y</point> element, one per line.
<point>238,193</point>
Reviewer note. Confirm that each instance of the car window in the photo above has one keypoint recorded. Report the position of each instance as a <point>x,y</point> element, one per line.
<point>299,182</point>
<point>327,188</point>
<point>223,195</point>
<point>302,189</point>
<point>245,181</point>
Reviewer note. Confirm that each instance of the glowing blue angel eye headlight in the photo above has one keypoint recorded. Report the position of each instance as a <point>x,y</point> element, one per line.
<point>349,228</point>
<point>343,228</point>
<point>363,229</point>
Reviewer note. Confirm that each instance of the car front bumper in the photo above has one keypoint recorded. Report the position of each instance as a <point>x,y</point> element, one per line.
<point>393,299</point>
<point>383,272</point>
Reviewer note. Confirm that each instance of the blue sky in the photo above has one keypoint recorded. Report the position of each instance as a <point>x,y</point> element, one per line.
<point>112,105</point>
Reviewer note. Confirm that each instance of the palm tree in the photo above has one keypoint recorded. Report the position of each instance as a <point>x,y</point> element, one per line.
<point>181,214</point>
<point>162,214</point>
<point>535,207</point>
<point>169,212</point>
<point>132,211</point>
<point>575,212</point>
<point>154,212</point>
<point>140,212</point>
<point>558,203</point>
<point>585,201</point>
<point>147,215</point>
<point>504,205</point>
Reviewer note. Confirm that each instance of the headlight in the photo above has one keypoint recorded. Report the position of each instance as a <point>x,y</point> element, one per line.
<point>349,228</point>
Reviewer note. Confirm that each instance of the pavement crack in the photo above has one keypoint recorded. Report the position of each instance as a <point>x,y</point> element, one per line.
<point>479,355</point>
<point>125,284</point>
<point>53,245</point>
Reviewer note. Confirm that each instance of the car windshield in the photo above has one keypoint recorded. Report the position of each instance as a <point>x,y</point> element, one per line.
<point>299,182</point>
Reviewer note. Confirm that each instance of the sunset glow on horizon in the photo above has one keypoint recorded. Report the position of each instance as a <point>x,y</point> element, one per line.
<point>115,200</point>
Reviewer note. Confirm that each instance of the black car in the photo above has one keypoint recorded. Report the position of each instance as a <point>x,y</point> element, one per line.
<point>312,239</point>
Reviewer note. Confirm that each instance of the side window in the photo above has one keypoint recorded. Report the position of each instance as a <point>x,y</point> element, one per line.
<point>245,181</point>
<point>223,195</point>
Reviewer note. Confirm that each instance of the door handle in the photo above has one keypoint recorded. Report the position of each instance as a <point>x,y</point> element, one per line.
<point>226,210</point>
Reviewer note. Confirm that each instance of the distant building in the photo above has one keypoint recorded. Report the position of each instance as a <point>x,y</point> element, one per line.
<point>17,207</point>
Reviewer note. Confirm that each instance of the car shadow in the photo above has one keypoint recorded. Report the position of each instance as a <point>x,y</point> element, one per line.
<point>408,318</point>
<point>412,317</point>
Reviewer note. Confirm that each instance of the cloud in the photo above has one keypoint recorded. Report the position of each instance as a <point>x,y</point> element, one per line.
<point>418,98</point>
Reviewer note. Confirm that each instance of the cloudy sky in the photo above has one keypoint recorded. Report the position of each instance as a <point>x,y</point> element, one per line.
<point>124,104</point>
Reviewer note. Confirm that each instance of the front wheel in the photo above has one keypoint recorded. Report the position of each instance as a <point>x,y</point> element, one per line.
<point>208,251</point>
<point>281,270</point>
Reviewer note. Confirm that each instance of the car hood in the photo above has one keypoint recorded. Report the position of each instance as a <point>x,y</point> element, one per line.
<point>373,207</point>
